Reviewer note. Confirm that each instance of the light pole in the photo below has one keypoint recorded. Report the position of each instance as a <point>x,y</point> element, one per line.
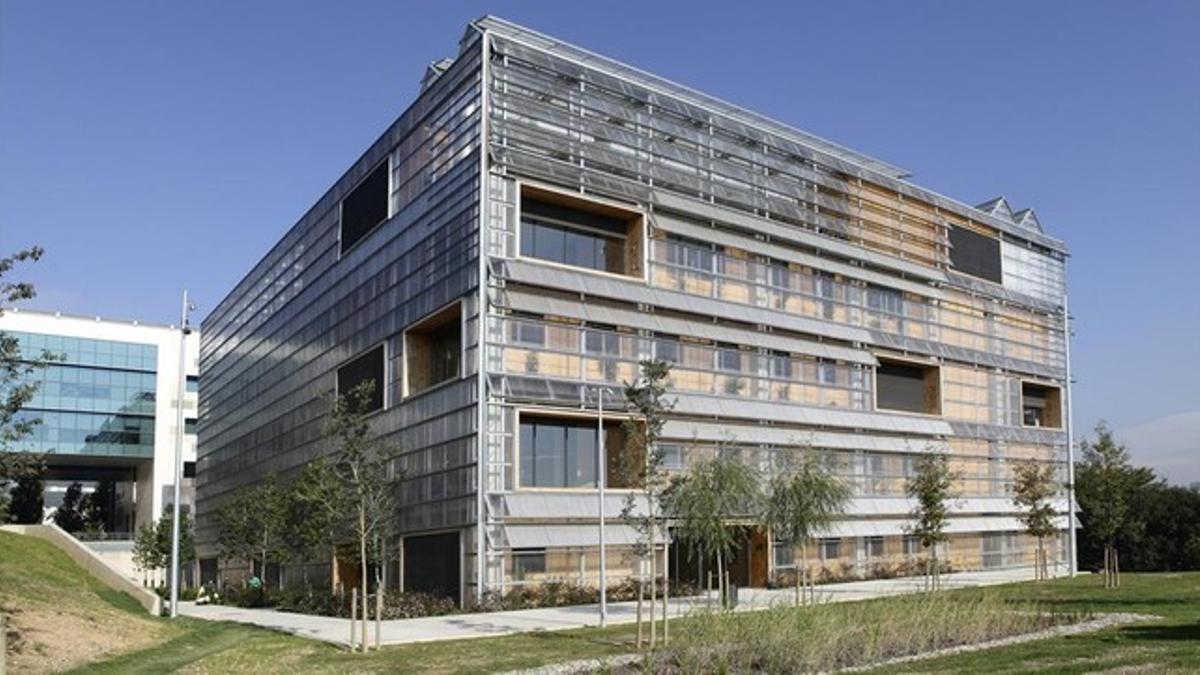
<point>184,330</point>
<point>601,480</point>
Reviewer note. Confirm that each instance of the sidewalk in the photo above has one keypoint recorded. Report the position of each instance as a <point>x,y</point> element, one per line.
<point>490,624</point>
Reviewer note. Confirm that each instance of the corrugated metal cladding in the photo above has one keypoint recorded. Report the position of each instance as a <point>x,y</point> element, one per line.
<point>775,269</point>
<point>270,349</point>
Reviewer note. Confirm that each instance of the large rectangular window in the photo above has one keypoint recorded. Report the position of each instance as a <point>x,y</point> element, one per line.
<point>975,254</point>
<point>433,350</point>
<point>910,387</point>
<point>581,233</point>
<point>365,368</point>
<point>365,207</point>
<point>557,452</point>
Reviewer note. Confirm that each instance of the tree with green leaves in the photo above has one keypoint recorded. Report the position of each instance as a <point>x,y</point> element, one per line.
<point>28,506</point>
<point>97,508</point>
<point>253,524</point>
<point>641,466</point>
<point>152,542</point>
<point>931,489</point>
<point>16,390</point>
<point>147,555</point>
<point>69,514</point>
<point>1106,483</point>
<point>363,465</point>
<point>317,512</point>
<point>712,505</point>
<point>1034,488</point>
<point>803,498</point>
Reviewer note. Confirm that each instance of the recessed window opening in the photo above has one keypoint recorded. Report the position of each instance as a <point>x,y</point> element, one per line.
<point>433,350</point>
<point>1041,406</point>
<point>908,387</point>
<point>580,232</point>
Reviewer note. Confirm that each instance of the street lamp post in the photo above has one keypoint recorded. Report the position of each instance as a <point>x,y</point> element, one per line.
<point>601,481</point>
<point>184,330</point>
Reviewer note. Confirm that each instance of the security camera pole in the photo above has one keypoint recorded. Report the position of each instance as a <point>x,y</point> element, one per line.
<point>184,330</point>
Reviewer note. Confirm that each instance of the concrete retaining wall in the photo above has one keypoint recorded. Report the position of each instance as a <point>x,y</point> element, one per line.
<point>94,564</point>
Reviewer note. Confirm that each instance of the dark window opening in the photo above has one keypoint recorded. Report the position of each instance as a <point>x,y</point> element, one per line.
<point>365,207</point>
<point>434,350</point>
<point>365,368</point>
<point>975,254</point>
<point>189,469</point>
<point>571,231</point>
<point>1041,406</point>
<point>193,384</point>
<point>908,387</point>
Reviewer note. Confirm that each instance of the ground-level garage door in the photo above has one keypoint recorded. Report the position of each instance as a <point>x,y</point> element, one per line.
<point>431,564</point>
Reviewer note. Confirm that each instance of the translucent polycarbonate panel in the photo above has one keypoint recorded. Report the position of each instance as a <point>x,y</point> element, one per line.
<point>1033,273</point>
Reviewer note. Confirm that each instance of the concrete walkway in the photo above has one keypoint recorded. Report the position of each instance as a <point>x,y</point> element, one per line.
<point>491,624</point>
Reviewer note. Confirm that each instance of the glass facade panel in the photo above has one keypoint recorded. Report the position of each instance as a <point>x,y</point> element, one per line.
<point>97,397</point>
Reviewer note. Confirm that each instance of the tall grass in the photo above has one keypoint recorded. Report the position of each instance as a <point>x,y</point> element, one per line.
<point>842,635</point>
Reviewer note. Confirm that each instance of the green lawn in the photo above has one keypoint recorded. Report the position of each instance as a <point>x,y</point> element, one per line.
<point>62,607</point>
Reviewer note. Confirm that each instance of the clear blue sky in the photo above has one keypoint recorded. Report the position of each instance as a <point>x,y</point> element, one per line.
<point>150,146</point>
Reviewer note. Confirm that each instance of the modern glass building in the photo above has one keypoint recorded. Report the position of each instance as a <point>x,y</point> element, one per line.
<point>539,220</point>
<point>106,406</point>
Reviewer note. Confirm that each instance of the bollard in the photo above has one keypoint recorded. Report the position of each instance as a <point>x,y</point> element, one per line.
<point>353,614</point>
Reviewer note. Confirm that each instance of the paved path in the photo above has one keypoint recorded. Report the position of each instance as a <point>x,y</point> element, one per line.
<point>488,624</point>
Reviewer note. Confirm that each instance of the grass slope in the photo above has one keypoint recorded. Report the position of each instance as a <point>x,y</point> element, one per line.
<point>59,615</point>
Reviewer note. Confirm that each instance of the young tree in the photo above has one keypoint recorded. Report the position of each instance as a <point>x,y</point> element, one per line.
<point>362,464</point>
<point>152,543</point>
<point>147,554</point>
<point>930,488</point>
<point>253,525</point>
<point>1105,484</point>
<point>1034,488</point>
<point>641,466</point>
<point>69,515</point>
<point>317,512</point>
<point>802,499</point>
<point>16,390</point>
<point>707,504</point>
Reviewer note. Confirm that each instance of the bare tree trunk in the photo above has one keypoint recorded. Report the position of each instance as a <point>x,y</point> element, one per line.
<point>378,614</point>
<point>653,585</point>
<point>1107,566</point>
<point>362,552</point>
<point>799,580</point>
<point>641,597</point>
<point>666,589</point>
<point>353,618</point>
<point>1116,566</point>
<point>721,587</point>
